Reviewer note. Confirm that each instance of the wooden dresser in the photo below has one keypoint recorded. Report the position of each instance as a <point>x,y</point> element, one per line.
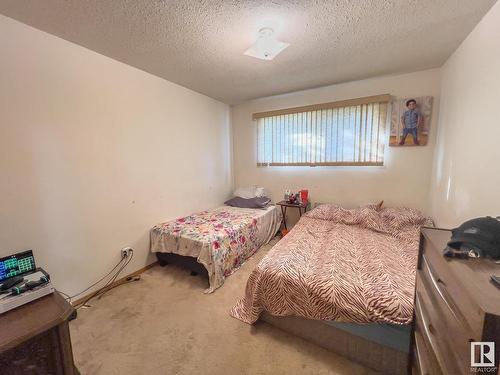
<point>455,304</point>
<point>34,338</point>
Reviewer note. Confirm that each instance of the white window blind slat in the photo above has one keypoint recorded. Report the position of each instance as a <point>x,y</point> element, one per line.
<point>350,135</point>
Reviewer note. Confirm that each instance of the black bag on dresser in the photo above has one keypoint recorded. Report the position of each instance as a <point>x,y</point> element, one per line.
<point>475,238</point>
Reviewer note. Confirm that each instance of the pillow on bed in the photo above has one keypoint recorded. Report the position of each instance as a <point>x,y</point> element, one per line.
<point>325,211</point>
<point>250,192</point>
<point>375,206</point>
<point>260,192</point>
<point>255,202</point>
<point>245,192</point>
<point>367,216</point>
<point>400,217</point>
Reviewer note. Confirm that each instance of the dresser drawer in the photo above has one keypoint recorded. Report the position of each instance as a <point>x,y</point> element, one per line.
<point>416,368</point>
<point>424,361</point>
<point>450,290</point>
<point>434,334</point>
<point>455,303</point>
<point>451,334</point>
<point>449,310</point>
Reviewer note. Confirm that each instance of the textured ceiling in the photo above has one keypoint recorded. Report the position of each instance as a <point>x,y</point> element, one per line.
<point>200,44</point>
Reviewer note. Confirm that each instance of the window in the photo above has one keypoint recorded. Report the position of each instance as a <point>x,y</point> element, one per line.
<point>349,132</point>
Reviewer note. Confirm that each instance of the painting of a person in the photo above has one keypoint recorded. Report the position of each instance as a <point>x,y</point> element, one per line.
<point>411,120</point>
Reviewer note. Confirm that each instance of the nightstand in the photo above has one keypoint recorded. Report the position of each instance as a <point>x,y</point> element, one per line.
<point>35,338</point>
<point>284,205</point>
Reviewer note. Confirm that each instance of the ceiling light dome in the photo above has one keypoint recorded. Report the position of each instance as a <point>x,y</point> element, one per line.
<point>266,47</point>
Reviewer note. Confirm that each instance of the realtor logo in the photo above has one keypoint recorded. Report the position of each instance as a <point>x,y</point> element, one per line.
<point>482,354</point>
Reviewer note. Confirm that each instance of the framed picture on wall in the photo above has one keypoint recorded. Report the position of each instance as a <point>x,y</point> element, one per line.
<point>410,121</point>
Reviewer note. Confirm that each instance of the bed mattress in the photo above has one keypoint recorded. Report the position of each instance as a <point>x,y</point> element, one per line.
<point>220,239</point>
<point>344,265</point>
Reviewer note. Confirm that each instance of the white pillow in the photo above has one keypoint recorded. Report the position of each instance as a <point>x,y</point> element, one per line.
<point>250,192</point>
<point>260,192</point>
<point>245,192</point>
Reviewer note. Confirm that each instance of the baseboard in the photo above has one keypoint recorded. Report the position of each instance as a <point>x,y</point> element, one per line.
<point>121,280</point>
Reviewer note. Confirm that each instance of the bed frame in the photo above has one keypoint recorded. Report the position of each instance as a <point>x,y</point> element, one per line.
<point>354,344</point>
<point>186,262</point>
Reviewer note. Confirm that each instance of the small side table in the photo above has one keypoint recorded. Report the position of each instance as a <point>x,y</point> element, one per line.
<point>35,338</point>
<point>284,205</point>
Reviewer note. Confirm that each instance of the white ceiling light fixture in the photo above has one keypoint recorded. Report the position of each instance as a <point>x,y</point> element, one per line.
<point>267,47</point>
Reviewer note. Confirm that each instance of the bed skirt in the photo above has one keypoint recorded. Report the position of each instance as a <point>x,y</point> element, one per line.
<point>356,345</point>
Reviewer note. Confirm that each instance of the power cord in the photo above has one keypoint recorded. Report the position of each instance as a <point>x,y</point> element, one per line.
<point>124,261</point>
<point>67,297</point>
<point>108,286</point>
<point>104,290</point>
<point>121,269</point>
<point>101,279</point>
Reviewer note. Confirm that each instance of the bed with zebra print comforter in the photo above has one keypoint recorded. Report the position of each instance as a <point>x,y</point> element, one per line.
<point>336,264</point>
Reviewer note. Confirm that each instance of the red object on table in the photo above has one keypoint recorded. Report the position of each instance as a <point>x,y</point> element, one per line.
<point>304,194</point>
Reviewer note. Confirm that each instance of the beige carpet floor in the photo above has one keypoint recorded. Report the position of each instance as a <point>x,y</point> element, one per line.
<point>164,324</point>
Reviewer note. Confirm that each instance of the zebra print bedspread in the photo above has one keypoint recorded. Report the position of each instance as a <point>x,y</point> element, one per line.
<point>346,265</point>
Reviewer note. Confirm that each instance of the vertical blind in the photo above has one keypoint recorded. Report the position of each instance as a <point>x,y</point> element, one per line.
<point>351,132</point>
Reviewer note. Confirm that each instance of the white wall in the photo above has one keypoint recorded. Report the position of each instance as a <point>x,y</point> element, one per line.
<point>404,179</point>
<point>466,176</point>
<point>94,152</point>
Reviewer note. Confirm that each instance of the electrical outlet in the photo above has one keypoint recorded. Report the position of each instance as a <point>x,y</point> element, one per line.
<point>126,251</point>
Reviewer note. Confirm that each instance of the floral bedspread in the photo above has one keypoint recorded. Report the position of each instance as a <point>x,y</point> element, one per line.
<point>220,239</point>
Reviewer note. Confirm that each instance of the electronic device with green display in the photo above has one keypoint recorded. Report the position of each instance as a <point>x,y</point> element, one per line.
<point>21,282</point>
<point>18,264</point>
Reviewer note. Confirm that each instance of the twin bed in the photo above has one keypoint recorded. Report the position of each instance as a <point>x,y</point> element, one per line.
<point>343,279</point>
<point>220,240</point>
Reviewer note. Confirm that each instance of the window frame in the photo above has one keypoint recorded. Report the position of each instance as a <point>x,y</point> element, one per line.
<point>375,99</point>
